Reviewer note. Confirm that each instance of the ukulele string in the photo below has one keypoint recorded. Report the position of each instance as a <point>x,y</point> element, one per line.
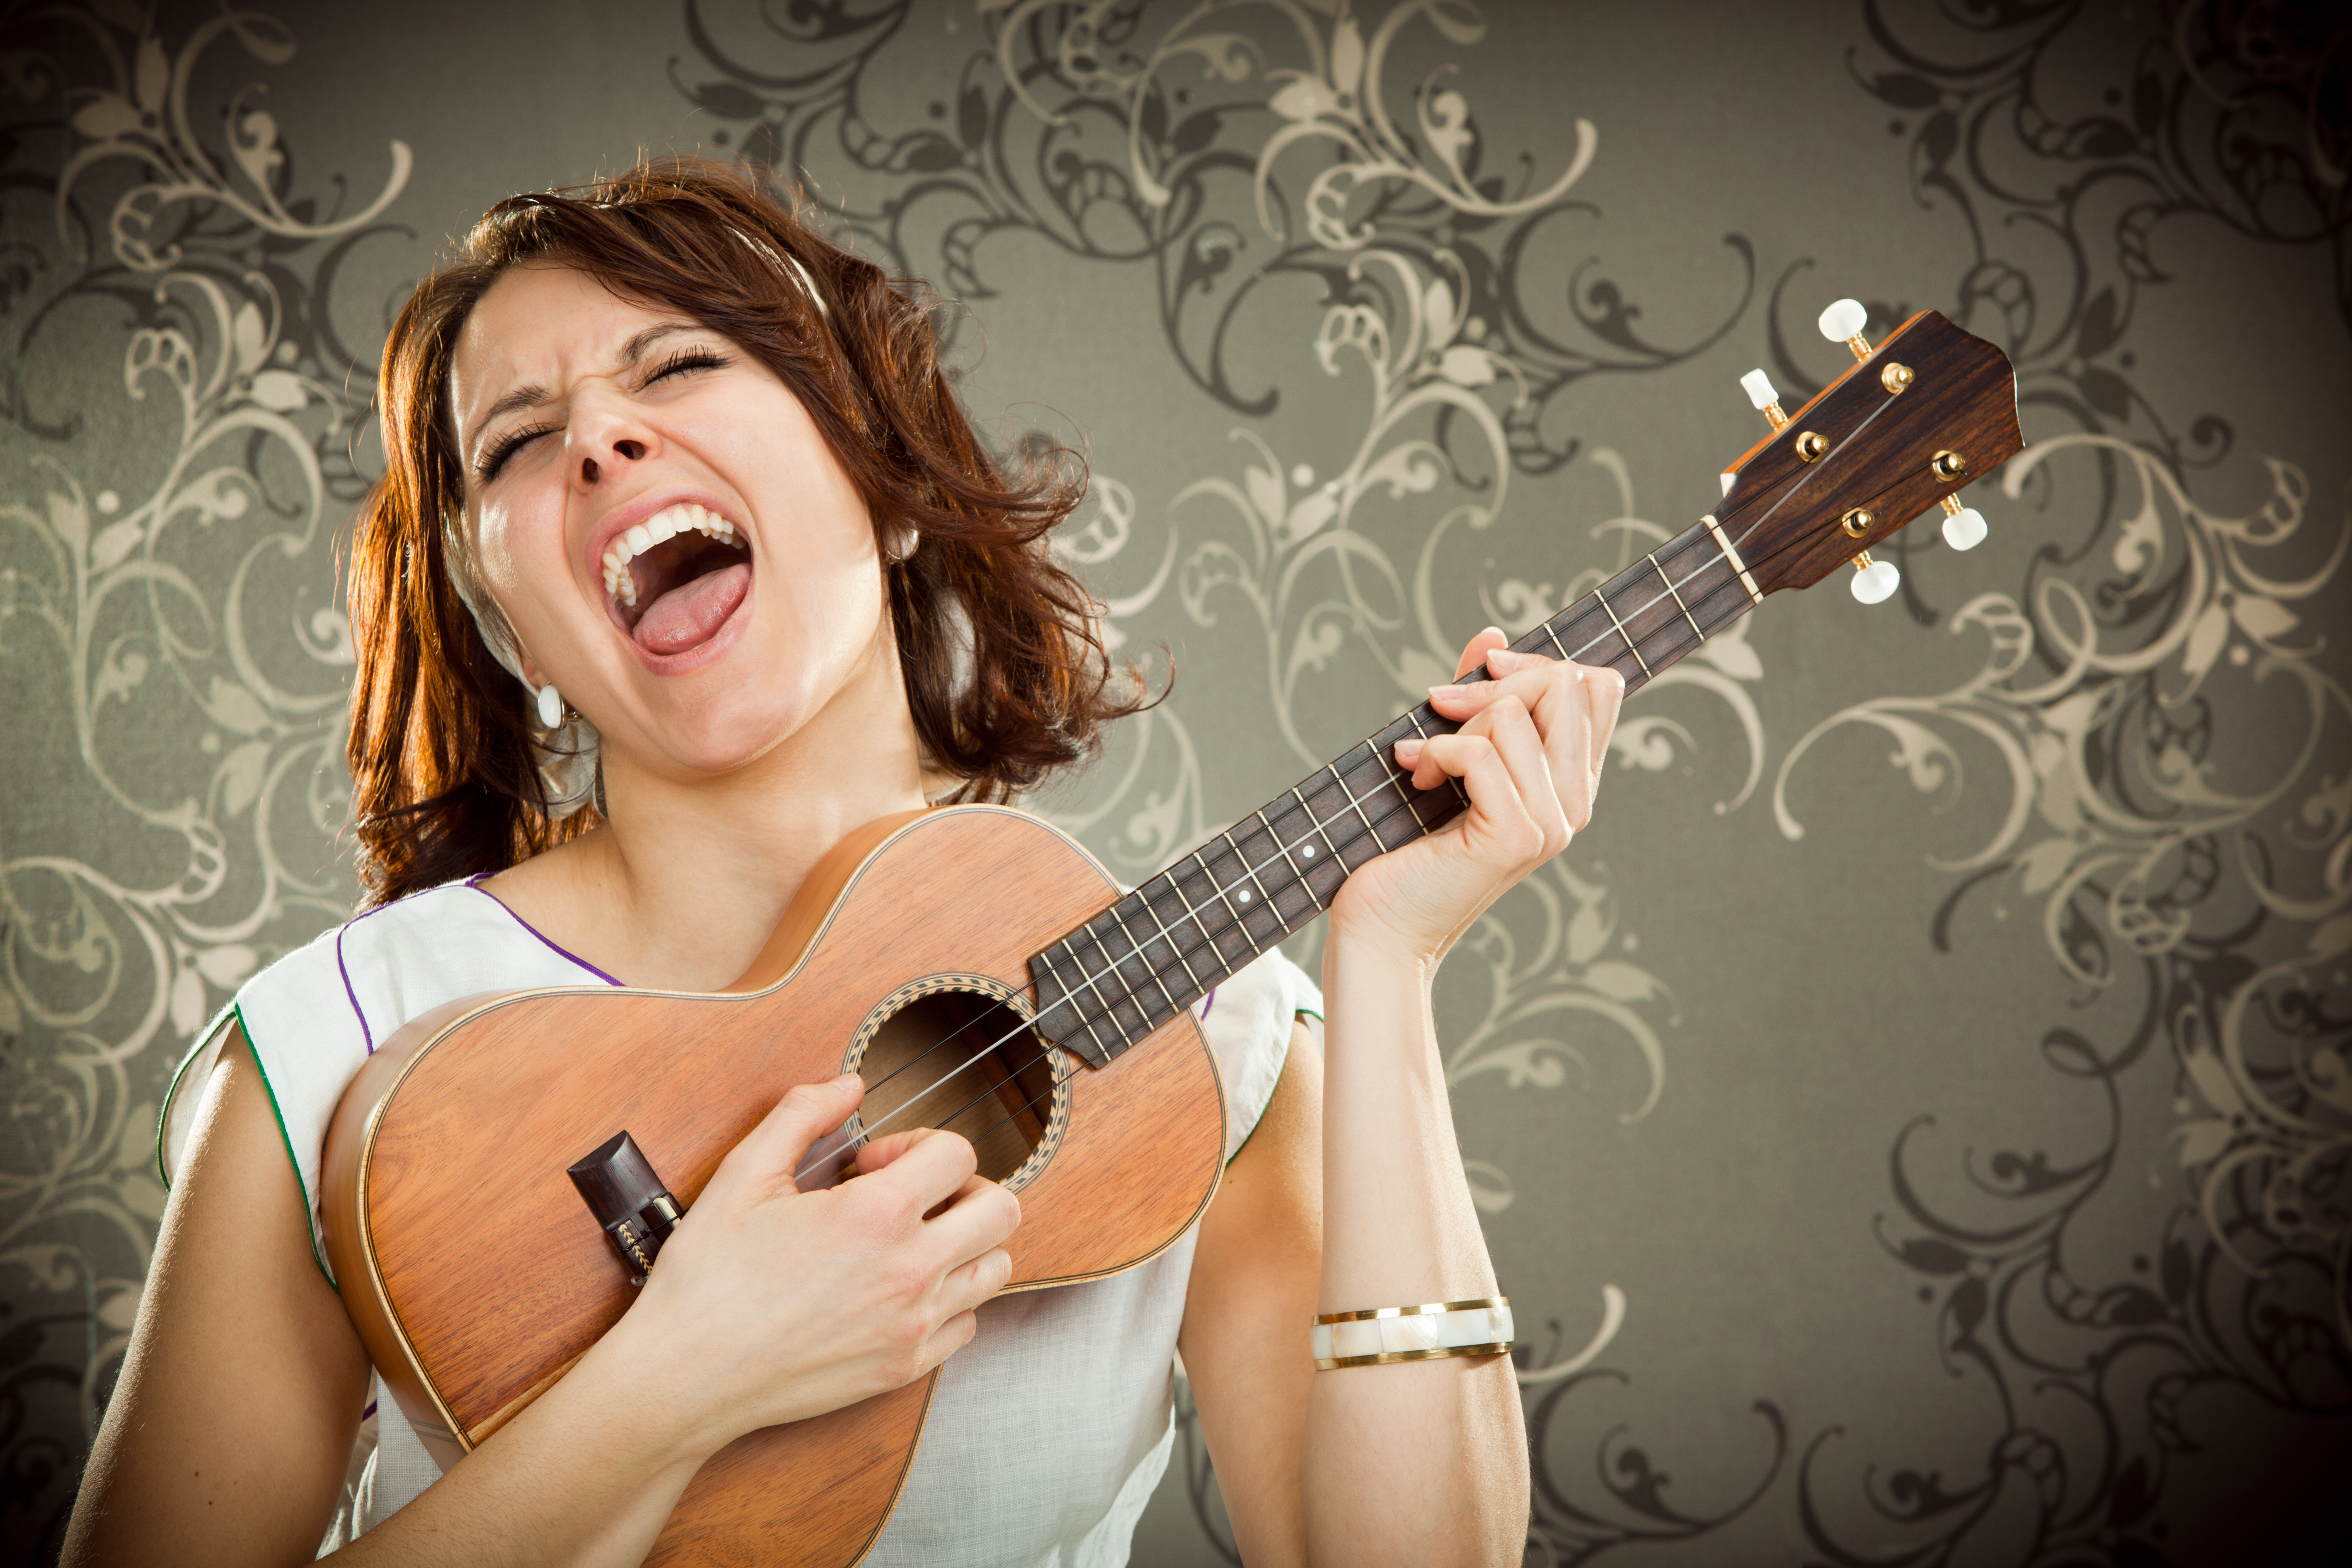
<point>1072,995</point>
<point>1339,847</point>
<point>1315,827</point>
<point>1222,893</point>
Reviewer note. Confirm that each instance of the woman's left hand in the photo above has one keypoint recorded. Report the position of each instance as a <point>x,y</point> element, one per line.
<point>1528,755</point>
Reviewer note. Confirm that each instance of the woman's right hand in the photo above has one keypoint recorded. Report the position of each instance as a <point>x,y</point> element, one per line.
<point>775,1305</point>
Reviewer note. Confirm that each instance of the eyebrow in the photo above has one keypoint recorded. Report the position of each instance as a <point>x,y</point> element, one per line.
<point>632,351</point>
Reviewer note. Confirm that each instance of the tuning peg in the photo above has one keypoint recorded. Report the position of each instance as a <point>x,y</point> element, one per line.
<point>1964,526</point>
<point>1842,323</point>
<point>1759,388</point>
<point>1874,581</point>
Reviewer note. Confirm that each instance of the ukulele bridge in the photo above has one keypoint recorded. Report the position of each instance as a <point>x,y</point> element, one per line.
<point>618,1185</point>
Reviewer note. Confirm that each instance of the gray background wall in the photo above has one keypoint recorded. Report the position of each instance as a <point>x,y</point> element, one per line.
<point>1912,1122</point>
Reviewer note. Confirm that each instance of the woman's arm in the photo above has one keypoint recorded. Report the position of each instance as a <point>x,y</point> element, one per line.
<point>1417,1462</point>
<point>229,1431</point>
<point>237,1322</point>
<point>1255,1272</point>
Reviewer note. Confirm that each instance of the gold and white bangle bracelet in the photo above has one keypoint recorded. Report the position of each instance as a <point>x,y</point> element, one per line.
<point>1378,1335</point>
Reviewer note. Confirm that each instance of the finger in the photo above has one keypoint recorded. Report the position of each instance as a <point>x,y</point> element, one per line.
<point>1526,676</point>
<point>1519,743</point>
<point>1561,702</point>
<point>976,1283</point>
<point>981,1219</point>
<point>773,1151</point>
<point>926,1172</point>
<point>1608,687</point>
<point>1474,651</point>
<point>1575,707</point>
<point>1499,813</point>
<point>877,1153</point>
<point>946,1340</point>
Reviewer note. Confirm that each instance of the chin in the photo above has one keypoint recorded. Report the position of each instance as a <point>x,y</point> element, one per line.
<point>715,744</point>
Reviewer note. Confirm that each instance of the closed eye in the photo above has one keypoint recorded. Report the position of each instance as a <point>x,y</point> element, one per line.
<point>684,361</point>
<point>507,446</point>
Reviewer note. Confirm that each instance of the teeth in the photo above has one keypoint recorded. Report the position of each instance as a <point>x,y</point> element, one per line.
<point>667,523</point>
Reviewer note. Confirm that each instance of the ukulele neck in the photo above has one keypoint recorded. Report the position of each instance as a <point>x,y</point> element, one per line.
<point>1161,949</point>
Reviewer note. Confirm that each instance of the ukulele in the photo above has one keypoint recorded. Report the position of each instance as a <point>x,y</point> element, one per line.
<point>982,973</point>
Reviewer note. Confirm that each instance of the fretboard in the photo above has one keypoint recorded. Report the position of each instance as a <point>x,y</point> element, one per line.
<point>1171,941</point>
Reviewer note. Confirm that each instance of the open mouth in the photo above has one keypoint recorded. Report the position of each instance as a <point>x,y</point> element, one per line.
<point>675,578</point>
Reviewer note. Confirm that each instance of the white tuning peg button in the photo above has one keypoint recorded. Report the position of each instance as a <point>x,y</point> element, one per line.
<point>1844,321</point>
<point>1875,583</point>
<point>1759,388</point>
<point>1965,529</point>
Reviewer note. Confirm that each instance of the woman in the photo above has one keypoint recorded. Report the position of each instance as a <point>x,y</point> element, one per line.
<point>680,517</point>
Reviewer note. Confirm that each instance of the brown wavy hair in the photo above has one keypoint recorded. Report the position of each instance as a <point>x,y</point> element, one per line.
<point>1006,671</point>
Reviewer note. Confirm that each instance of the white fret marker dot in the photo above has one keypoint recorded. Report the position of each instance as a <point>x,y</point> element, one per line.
<point>1307,852</point>
<point>1242,897</point>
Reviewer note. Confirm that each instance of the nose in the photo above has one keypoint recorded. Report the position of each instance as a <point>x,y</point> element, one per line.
<point>607,436</point>
<point>626,449</point>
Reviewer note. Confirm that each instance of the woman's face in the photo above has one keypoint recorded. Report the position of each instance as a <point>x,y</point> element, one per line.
<point>671,539</point>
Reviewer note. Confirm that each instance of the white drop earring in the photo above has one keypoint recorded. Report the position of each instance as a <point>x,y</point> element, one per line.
<point>551,706</point>
<point>903,544</point>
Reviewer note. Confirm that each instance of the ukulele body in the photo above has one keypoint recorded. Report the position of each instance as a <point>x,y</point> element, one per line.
<point>476,1277</point>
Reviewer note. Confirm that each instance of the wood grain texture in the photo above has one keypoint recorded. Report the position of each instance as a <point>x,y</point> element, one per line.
<point>450,1207</point>
<point>1785,511</point>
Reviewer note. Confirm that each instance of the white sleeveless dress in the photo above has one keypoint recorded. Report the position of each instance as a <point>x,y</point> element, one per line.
<point>1047,1432</point>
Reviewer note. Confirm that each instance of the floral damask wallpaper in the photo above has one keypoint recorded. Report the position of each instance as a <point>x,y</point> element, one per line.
<point>1914,1123</point>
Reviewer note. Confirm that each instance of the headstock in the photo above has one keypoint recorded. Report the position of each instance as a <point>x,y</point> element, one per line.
<point>1923,413</point>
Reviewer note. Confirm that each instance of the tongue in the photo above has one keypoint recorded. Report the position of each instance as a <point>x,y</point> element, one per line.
<point>690,614</point>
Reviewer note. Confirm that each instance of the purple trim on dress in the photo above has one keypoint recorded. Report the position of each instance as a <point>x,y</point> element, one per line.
<point>474,882</point>
<point>367,1036</point>
<point>1208,1002</point>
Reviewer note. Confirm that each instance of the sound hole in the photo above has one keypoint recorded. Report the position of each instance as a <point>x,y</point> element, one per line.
<point>965,1061</point>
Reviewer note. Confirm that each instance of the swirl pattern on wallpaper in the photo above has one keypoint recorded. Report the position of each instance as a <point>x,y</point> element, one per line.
<point>174,578</point>
<point>2118,695</point>
<point>2125,820</point>
<point>168,278</point>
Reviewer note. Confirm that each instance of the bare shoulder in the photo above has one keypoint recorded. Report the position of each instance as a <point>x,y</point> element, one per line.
<point>230,1428</point>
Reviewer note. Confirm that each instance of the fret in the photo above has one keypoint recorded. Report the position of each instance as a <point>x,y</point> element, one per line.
<point>1401,783</point>
<point>1265,900</point>
<point>1630,646</point>
<point>1127,992</point>
<point>1109,1012</point>
<point>1451,781</point>
<point>1360,815</point>
<point>1107,969</point>
<point>1176,886</point>
<point>1669,582</point>
<point>1069,999</point>
<point>1150,971</point>
<point>1389,796</point>
<point>1170,938</point>
<point>1555,640</point>
<point>1285,850</point>
<point>1321,831</point>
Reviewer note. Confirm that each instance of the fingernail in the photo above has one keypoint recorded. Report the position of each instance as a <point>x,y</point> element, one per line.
<point>1444,693</point>
<point>846,1081</point>
<point>1408,753</point>
<point>1493,632</point>
<point>1503,661</point>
